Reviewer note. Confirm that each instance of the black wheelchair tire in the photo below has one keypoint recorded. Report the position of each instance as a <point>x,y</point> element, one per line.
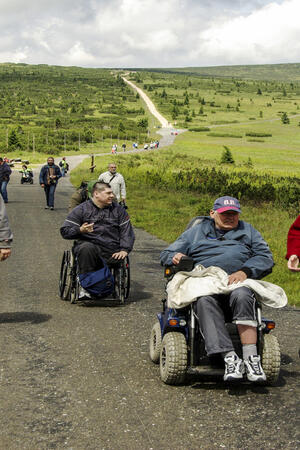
<point>155,343</point>
<point>270,358</point>
<point>173,358</point>
<point>65,276</point>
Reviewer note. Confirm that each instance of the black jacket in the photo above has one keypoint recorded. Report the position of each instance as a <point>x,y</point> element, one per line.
<point>112,227</point>
<point>5,172</point>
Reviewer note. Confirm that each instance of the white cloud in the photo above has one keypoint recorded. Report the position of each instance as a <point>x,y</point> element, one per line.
<point>149,33</point>
<point>271,34</point>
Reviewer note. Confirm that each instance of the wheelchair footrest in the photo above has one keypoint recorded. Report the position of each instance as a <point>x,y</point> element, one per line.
<point>205,370</point>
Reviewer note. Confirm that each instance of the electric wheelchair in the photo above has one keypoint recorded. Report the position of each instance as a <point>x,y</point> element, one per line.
<point>177,345</point>
<point>69,280</point>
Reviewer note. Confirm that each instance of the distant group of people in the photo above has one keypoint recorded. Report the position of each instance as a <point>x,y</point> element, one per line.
<point>151,146</point>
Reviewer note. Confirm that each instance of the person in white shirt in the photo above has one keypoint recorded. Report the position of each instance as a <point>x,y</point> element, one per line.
<point>116,181</point>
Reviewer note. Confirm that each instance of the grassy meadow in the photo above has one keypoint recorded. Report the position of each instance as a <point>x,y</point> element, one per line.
<point>56,110</point>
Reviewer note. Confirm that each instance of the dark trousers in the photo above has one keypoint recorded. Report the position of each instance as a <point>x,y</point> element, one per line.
<point>89,256</point>
<point>49,192</point>
<point>212,310</point>
<point>3,190</point>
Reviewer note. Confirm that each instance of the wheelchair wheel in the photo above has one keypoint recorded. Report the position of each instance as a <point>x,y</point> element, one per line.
<point>270,358</point>
<point>121,275</point>
<point>126,277</point>
<point>155,343</point>
<point>65,280</point>
<point>74,293</point>
<point>173,358</point>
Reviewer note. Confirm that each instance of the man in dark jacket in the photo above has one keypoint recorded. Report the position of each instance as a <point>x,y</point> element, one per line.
<point>49,176</point>
<point>224,241</point>
<point>101,228</point>
<point>5,172</point>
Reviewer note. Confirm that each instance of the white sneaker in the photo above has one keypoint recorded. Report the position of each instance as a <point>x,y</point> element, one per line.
<point>234,368</point>
<point>254,369</point>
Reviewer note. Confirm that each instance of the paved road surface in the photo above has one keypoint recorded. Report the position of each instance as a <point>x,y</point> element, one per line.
<point>76,377</point>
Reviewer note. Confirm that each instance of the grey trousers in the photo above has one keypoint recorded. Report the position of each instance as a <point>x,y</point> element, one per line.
<point>211,311</point>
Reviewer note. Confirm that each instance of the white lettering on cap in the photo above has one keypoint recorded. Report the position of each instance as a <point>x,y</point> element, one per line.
<point>229,202</point>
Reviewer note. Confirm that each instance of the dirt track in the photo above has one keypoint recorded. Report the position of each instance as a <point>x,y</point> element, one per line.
<point>80,378</point>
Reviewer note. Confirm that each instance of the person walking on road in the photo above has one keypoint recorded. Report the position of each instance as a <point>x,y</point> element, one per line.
<point>64,166</point>
<point>5,172</point>
<point>6,235</point>
<point>49,176</point>
<point>116,181</point>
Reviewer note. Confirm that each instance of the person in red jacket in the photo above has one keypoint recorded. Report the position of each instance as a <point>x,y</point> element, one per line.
<point>293,246</point>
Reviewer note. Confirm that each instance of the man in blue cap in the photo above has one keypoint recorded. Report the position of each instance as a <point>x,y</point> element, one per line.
<point>224,241</point>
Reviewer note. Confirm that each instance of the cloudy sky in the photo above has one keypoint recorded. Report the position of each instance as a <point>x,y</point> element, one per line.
<point>149,33</point>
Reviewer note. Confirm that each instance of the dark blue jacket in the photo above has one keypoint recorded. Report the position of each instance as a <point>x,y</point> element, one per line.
<point>240,249</point>
<point>5,172</point>
<point>44,173</point>
<point>112,227</point>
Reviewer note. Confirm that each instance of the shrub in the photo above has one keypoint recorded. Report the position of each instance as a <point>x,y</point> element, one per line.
<point>225,135</point>
<point>227,157</point>
<point>256,134</point>
<point>199,129</point>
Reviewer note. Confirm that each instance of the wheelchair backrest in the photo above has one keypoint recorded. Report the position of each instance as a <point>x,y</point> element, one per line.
<point>195,221</point>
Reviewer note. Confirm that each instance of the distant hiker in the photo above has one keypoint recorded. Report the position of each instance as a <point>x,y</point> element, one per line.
<point>64,166</point>
<point>27,174</point>
<point>5,172</point>
<point>114,149</point>
<point>79,196</point>
<point>49,176</point>
<point>293,246</point>
<point>116,181</point>
<point>124,147</point>
<point>6,235</point>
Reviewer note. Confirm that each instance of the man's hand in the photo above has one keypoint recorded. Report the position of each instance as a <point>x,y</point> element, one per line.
<point>87,227</point>
<point>236,277</point>
<point>4,253</point>
<point>42,185</point>
<point>293,263</point>
<point>120,255</point>
<point>176,258</point>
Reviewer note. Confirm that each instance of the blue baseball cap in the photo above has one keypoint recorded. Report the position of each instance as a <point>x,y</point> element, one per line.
<point>227,203</point>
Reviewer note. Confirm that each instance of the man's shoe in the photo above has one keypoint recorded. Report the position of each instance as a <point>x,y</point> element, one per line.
<point>46,207</point>
<point>52,208</point>
<point>234,368</point>
<point>254,369</point>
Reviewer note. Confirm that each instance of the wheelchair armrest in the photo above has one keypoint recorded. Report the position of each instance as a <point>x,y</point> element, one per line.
<point>186,264</point>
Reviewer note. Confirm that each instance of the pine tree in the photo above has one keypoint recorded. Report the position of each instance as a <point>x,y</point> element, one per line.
<point>227,157</point>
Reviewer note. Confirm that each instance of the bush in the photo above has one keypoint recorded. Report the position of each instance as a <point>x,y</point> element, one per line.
<point>225,135</point>
<point>227,157</point>
<point>199,129</point>
<point>256,134</point>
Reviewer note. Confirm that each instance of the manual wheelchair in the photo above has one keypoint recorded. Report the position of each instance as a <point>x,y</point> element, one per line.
<point>69,281</point>
<point>177,344</point>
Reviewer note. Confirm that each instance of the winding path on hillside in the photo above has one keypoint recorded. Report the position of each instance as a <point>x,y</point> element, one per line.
<point>150,105</point>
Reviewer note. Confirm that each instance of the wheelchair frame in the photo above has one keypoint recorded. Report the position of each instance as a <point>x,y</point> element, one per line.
<point>69,282</point>
<point>177,344</point>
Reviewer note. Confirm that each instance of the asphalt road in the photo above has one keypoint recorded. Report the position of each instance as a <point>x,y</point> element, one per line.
<point>75,377</point>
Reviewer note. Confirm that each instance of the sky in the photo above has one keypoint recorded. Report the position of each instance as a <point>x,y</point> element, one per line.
<point>149,33</point>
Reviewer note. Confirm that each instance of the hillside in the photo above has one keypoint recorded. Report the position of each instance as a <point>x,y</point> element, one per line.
<point>275,72</point>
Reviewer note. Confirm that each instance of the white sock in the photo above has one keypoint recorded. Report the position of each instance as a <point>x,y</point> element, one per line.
<point>249,350</point>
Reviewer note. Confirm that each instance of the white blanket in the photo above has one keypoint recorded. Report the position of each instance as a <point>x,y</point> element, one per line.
<point>185,287</point>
